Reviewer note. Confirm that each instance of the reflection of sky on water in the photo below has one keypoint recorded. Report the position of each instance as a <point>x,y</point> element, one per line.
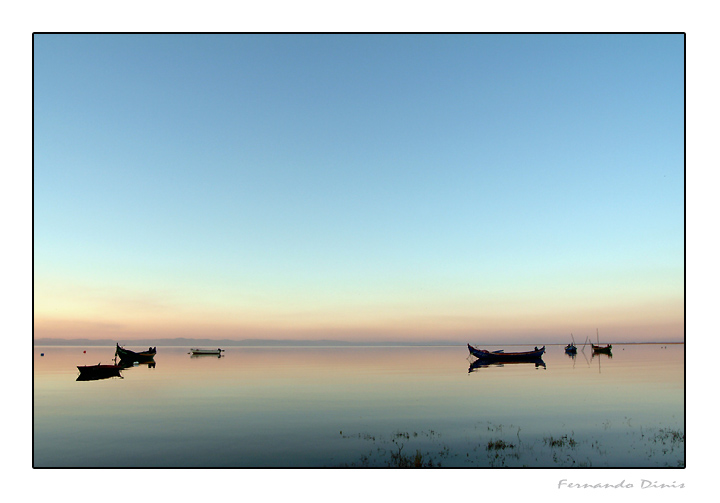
<point>287,406</point>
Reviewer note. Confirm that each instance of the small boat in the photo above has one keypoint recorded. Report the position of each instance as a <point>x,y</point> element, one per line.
<point>602,349</point>
<point>94,372</point>
<point>132,356</point>
<point>571,348</point>
<point>502,356</point>
<point>206,351</point>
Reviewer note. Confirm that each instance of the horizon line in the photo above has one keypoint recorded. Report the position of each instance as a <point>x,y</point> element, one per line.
<point>182,341</point>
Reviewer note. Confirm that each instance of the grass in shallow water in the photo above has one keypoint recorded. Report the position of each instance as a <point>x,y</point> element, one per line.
<point>504,446</point>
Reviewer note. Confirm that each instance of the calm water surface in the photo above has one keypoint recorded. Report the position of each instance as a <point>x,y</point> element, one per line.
<point>360,406</point>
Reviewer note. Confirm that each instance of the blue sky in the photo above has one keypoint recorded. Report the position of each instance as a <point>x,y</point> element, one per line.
<point>403,187</point>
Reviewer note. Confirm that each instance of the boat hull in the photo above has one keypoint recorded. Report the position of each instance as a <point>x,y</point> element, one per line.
<point>132,356</point>
<point>602,349</point>
<point>95,372</point>
<point>527,356</point>
<point>215,352</point>
<point>98,368</point>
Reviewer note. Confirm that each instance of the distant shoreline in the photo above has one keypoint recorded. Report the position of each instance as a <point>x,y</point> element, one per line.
<point>292,343</point>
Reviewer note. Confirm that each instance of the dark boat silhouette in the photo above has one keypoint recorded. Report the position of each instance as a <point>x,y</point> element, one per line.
<point>501,356</point>
<point>602,349</point>
<point>206,352</point>
<point>132,356</point>
<point>571,348</point>
<point>96,372</point>
<point>485,358</point>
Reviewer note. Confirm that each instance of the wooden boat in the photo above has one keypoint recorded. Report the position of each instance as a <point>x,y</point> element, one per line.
<point>602,349</point>
<point>571,348</point>
<point>215,352</point>
<point>502,356</point>
<point>132,356</point>
<point>93,372</point>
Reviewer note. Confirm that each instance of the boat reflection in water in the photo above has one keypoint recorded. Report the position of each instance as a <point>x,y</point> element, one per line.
<point>128,365</point>
<point>607,353</point>
<point>482,364</point>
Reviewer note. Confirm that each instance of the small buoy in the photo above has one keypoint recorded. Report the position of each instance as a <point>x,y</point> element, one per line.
<point>84,351</point>
<point>42,354</point>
